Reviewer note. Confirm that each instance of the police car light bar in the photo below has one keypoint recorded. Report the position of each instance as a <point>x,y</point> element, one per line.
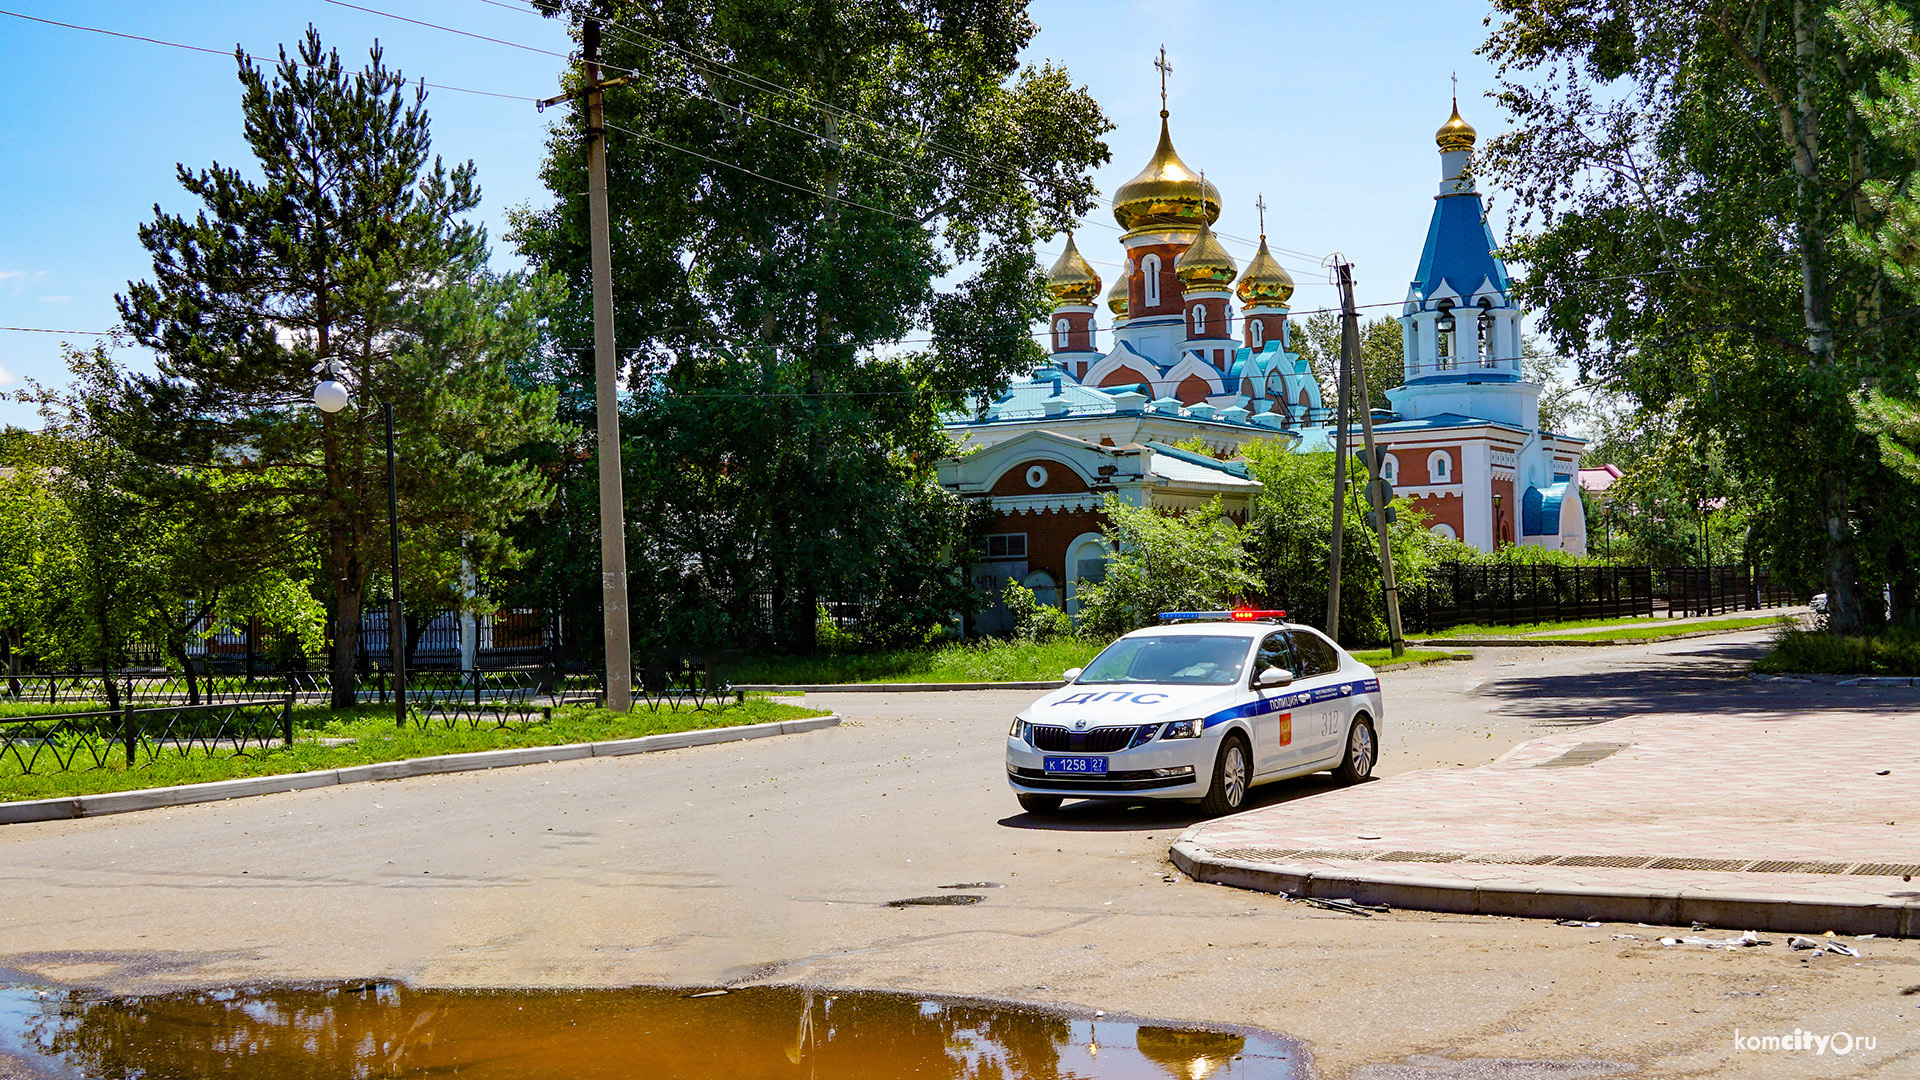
<point>1240,615</point>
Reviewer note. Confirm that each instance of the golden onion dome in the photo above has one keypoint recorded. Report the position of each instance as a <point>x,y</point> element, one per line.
<point>1266,282</point>
<point>1205,264</point>
<point>1072,279</point>
<point>1166,192</point>
<point>1456,133</point>
<point>1117,297</point>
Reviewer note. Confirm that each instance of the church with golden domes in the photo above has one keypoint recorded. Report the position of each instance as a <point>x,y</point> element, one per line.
<point>1182,363</point>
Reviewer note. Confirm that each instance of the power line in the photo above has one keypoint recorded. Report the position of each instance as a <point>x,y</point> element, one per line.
<point>44,330</point>
<point>737,75</point>
<point>224,52</point>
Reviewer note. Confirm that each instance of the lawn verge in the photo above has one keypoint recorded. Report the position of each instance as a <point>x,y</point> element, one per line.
<point>368,737</point>
<point>1893,653</point>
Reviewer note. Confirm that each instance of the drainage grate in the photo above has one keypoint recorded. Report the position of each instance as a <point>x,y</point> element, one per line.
<point>1511,860</point>
<point>1697,864</point>
<point>1585,754</point>
<point>1787,866</point>
<point>1419,856</point>
<point>1624,862</point>
<point>1888,869</point>
<point>1256,854</point>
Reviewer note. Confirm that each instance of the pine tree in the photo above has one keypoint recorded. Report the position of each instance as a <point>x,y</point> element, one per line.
<point>351,255</point>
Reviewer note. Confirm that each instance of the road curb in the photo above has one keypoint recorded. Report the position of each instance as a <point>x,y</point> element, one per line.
<point>121,802</point>
<point>889,688</point>
<point>1777,914</point>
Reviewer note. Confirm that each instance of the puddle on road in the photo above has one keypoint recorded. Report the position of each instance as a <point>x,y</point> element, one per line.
<point>374,1030</point>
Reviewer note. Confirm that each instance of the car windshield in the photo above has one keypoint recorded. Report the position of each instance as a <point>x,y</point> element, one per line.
<point>1170,658</point>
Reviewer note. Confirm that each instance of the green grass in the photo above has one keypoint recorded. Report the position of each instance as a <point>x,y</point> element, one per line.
<point>985,661</point>
<point>1635,627</point>
<point>376,739</point>
<point>1379,658</point>
<point>1683,628</point>
<point>1815,652</point>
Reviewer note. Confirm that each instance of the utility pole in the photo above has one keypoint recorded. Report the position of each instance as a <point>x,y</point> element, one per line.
<point>1379,493</point>
<point>1339,493</point>
<point>606,383</point>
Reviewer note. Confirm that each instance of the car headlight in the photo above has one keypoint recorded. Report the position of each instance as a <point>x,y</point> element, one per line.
<point>1018,730</point>
<point>1181,729</point>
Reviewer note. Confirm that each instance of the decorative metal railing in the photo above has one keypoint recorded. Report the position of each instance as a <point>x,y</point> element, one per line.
<point>134,738</point>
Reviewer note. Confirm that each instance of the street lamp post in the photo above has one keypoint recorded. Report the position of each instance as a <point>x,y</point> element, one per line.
<point>331,397</point>
<point>1496,521</point>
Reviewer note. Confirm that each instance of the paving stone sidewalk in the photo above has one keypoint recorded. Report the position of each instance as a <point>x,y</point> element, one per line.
<point>1802,821</point>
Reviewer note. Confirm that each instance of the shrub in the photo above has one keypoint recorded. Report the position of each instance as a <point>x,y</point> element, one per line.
<point>1892,652</point>
<point>1165,562</point>
<point>1032,620</point>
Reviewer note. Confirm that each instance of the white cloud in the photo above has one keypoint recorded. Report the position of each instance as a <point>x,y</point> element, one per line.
<point>6,377</point>
<point>56,299</point>
<point>5,274</point>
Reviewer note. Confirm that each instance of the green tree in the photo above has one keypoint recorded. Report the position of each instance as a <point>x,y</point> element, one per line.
<point>793,185</point>
<point>1290,541</point>
<point>1317,338</point>
<point>350,255</point>
<point>1686,174</point>
<point>1191,561</point>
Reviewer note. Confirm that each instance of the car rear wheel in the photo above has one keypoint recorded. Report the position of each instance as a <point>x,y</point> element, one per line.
<point>1038,804</point>
<point>1363,749</point>
<point>1231,777</point>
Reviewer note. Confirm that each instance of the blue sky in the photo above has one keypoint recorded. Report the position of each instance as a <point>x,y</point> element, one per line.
<point>1328,110</point>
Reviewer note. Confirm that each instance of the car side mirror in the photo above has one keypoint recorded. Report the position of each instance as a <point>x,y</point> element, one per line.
<point>1274,676</point>
<point>1071,674</point>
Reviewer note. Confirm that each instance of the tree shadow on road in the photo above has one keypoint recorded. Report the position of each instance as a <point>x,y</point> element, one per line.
<point>1708,681</point>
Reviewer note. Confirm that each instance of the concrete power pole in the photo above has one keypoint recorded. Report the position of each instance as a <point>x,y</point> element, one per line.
<point>1339,491</point>
<point>1379,492</point>
<point>606,384</point>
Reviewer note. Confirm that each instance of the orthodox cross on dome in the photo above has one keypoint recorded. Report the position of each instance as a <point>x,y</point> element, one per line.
<point>1166,69</point>
<point>1260,203</point>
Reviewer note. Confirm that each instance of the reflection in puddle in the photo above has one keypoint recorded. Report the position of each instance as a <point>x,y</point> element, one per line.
<point>372,1030</point>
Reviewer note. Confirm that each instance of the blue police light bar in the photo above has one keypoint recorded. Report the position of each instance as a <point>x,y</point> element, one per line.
<point>1238,615</point>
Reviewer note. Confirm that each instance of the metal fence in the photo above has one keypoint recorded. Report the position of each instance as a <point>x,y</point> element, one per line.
<point>1461,593</point>
<point>1711,590</point>
<point>137,737</point>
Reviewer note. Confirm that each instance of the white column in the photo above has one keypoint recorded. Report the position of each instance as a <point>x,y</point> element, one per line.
<point>1476,484</point>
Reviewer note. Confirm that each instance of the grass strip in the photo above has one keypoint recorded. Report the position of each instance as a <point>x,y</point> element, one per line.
<point>1384,658</point>
<point>1635,633</point>
<point>983,661</point>
<point>367,735</point>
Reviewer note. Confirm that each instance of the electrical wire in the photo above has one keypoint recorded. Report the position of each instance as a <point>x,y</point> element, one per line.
<point>249,56</point>
<point>801,98</point>
<point>44,330</point>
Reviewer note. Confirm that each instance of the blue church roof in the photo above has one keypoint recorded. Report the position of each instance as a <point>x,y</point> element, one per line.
<point>1459,249</point>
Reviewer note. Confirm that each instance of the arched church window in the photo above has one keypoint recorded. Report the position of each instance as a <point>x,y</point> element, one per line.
<point>1060,330</point>
<point>1390,468</point>
<point>1443,335</point>
<point>1199,319</point>
<point>1440,467</point>
<point>1150,278</point>
<point>1257,333</point>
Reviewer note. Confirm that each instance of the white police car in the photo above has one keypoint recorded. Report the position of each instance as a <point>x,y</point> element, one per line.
<point>1203,706</point>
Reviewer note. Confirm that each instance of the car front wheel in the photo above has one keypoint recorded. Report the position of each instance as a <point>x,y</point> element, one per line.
<point>1231,776</point>
<point>1038,804</point>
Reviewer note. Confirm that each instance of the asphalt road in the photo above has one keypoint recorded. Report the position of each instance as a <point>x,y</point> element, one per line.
<point>773,861</point>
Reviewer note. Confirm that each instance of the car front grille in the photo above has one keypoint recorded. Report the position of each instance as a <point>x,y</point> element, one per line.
<point>1104,740</point>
